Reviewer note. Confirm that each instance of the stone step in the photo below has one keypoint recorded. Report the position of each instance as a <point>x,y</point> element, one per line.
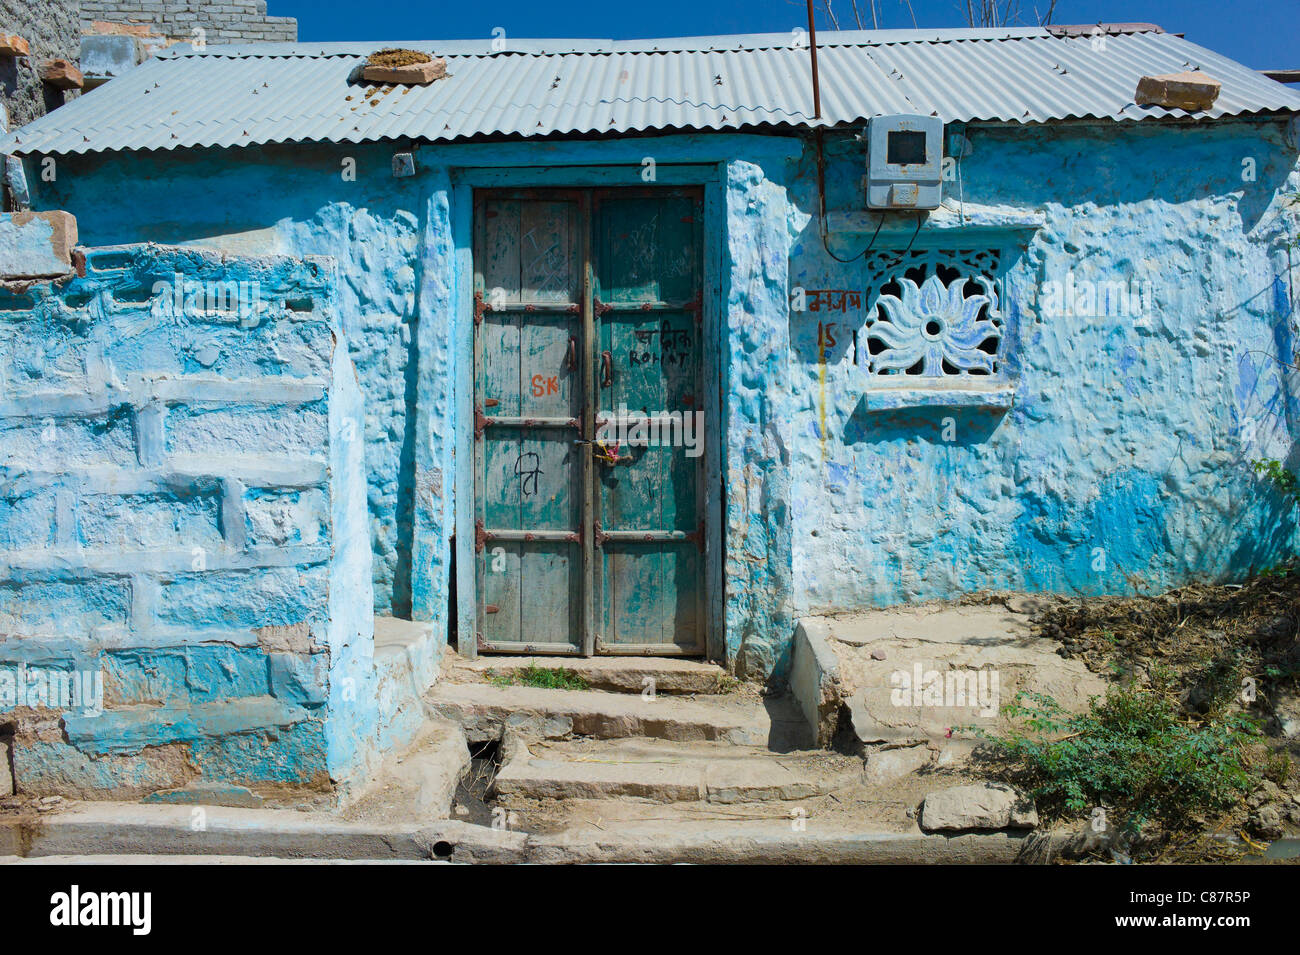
<point>420,781</point>
<point>486,711</point>
<point>916,676</point>
<point>662,771</point>
<point>615,674</point>
<point>115,831</point>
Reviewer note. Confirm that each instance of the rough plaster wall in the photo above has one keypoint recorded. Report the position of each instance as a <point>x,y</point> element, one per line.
<point>379,251</point>
<point>296,201</point>
<point>1124,436</point>
<point>757,467</point>
<point>435,422</point>
<point>354,706</point>
<point>178,497</point>
<point>1124,464</point>
<point>51,28</point>
<point>225,21</point>
<point>291,200</point>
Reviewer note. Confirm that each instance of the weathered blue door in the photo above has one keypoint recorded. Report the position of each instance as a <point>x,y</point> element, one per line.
<point>649,519</point>
<point>589,444</point>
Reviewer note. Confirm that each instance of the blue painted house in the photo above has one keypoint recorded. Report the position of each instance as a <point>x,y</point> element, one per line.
<point>612,347</point>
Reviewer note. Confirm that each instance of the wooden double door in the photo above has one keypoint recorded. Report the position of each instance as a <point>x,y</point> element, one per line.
<point>589,421</point>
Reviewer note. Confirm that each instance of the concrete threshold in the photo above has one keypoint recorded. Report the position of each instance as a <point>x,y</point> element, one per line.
<point>673,675</point>
<point>128,830</point>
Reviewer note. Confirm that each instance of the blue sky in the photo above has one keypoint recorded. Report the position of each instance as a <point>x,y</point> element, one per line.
<point>1259,33</point>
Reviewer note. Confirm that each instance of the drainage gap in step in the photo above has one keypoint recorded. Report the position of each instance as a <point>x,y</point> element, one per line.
<point>471,803</point>
<point>8,777</point>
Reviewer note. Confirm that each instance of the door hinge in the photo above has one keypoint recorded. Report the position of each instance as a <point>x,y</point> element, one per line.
<point>480,307</point>
<point>480,422</point>
<point>480,536</point>
<point>696,305</point>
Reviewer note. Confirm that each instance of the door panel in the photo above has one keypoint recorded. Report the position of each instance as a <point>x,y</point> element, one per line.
<point>648,277</point>
<point>588,305</point>
<point>529,251</point>
<point>647,248</point>
<point>528,403</point>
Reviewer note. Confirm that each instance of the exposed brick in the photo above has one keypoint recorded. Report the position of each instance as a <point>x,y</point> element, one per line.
<point>276,518</point>
<point>54,444</point>
<point>275,596</point>
<point>298,678</point>
<point>70,609</point>
<point>232,20</point>
<point>300,432</point>
<point>138,521</point>
<point>63,226</point>
<point>100,27</point>
<point>27,521</point>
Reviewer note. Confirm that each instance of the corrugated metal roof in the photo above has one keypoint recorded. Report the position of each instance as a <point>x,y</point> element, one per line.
<point>275,93</point>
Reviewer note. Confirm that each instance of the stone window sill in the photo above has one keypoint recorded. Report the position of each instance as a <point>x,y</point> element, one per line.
<point>997,396</point>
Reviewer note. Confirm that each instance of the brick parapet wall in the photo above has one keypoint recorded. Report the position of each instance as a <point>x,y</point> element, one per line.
<point>227,21</point>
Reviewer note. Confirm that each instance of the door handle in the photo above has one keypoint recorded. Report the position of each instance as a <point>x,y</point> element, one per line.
<point>606,369</point>
<point>571,361</point>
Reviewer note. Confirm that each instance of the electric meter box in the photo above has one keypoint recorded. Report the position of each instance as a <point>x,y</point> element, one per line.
<point>904,162</point>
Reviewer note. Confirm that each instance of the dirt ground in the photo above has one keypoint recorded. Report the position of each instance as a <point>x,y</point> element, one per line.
<point>1219,648</point>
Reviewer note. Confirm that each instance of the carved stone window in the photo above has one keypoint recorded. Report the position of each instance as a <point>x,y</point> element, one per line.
<point>933,313</point>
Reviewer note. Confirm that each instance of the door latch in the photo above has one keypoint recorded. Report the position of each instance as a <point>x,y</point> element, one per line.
<point>609,455</point>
